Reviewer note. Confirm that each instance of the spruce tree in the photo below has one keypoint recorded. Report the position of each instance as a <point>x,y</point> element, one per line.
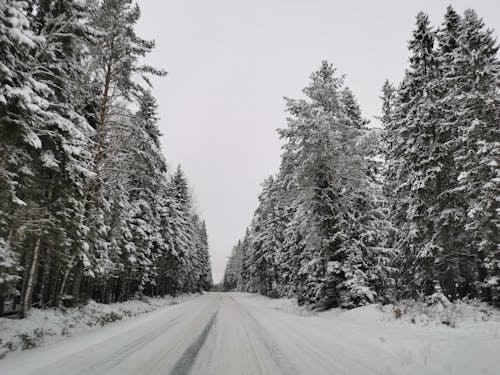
<point>413,166</point>
<point>476,69</point>
<point>22,108</point>
<point>318,234</point>
<point>452,266</point>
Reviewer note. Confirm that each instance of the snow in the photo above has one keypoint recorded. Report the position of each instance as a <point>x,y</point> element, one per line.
<point>238,333</point>
<point>459,314</point>
<point>18,201</point>
<point>47,326</point>
<point>48,160</point>
<point>20,36</point>
<point>33,140</point>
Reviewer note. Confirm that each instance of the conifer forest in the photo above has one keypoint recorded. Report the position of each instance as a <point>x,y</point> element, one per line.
<point>358,214</point>
<point>88,208</point>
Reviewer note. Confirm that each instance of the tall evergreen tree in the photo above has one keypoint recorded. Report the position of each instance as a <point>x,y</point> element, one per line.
<point>65,168</point>
<point>23,108</point>
<point>317,227</point>
<point>414,167</point>
<point>474,70</point>
<point>114,66</point>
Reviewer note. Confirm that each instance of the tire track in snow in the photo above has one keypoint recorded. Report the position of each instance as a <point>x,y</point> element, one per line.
<point>127,349</point>
<point>271,346</point>
<point>184,364</point>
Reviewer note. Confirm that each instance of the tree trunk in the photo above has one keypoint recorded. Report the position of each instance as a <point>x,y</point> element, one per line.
<point>44,296</point>
<point>36,253</point>
<point>77,283</point>
<point>101,123</point>
<point>28,290</point>
<point>65,279</point>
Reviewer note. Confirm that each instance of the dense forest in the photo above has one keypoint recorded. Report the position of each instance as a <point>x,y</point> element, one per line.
<point>88,207</point>
<point>359,214</point>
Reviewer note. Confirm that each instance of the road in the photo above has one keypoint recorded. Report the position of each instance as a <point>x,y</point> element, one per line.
<point>222,333</point>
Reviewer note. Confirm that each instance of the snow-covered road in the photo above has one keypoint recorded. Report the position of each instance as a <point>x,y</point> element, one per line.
<point>230,333</point>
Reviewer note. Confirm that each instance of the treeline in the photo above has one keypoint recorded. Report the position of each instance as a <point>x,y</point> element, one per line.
<point>358,215</point>
<point>87,207</point>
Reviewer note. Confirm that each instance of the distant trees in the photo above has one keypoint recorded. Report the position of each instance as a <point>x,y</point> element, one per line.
<point>87,207</point>
<point>357,215</point>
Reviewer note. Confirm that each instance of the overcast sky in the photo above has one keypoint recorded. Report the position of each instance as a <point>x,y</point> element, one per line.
<point>230,62</point>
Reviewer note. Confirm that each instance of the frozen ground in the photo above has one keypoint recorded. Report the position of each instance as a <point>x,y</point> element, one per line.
<point>236,333</point>
<point>51,325</point>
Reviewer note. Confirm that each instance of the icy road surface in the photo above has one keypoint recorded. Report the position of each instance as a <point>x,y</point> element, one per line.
<point>231,333</point>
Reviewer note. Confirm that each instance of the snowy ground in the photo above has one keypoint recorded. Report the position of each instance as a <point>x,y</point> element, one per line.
<point>52,325</point>
<point>236,333</point>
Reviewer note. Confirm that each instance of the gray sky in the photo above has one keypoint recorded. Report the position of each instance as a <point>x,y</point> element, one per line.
<point>230,63</point>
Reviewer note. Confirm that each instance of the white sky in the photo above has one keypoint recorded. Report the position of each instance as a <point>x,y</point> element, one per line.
<point>230,62</point>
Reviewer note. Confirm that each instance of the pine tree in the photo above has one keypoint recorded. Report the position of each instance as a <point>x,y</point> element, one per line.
<point>115,63</point>
<point>114,66</point>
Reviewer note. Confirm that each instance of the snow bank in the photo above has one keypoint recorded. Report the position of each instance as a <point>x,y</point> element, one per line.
<point>457,314</point>
<point>51,325</point>
<point>461,313</point>
<point>427,338</point>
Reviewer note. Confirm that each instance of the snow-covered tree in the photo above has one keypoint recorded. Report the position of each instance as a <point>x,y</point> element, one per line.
<point>317,228</point>
<point>415,166</point>
<point>23,111</point>
<point>442,151</point>
<point>204,273</point>
<point>473,72</point>
<point>87,208</point>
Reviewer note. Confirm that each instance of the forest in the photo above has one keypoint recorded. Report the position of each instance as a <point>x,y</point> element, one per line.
<point>88,206</point>
<point>359,213</point>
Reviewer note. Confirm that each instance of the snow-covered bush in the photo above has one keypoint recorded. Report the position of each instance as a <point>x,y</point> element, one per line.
<point>437,310</point>
<point>42,326</point>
